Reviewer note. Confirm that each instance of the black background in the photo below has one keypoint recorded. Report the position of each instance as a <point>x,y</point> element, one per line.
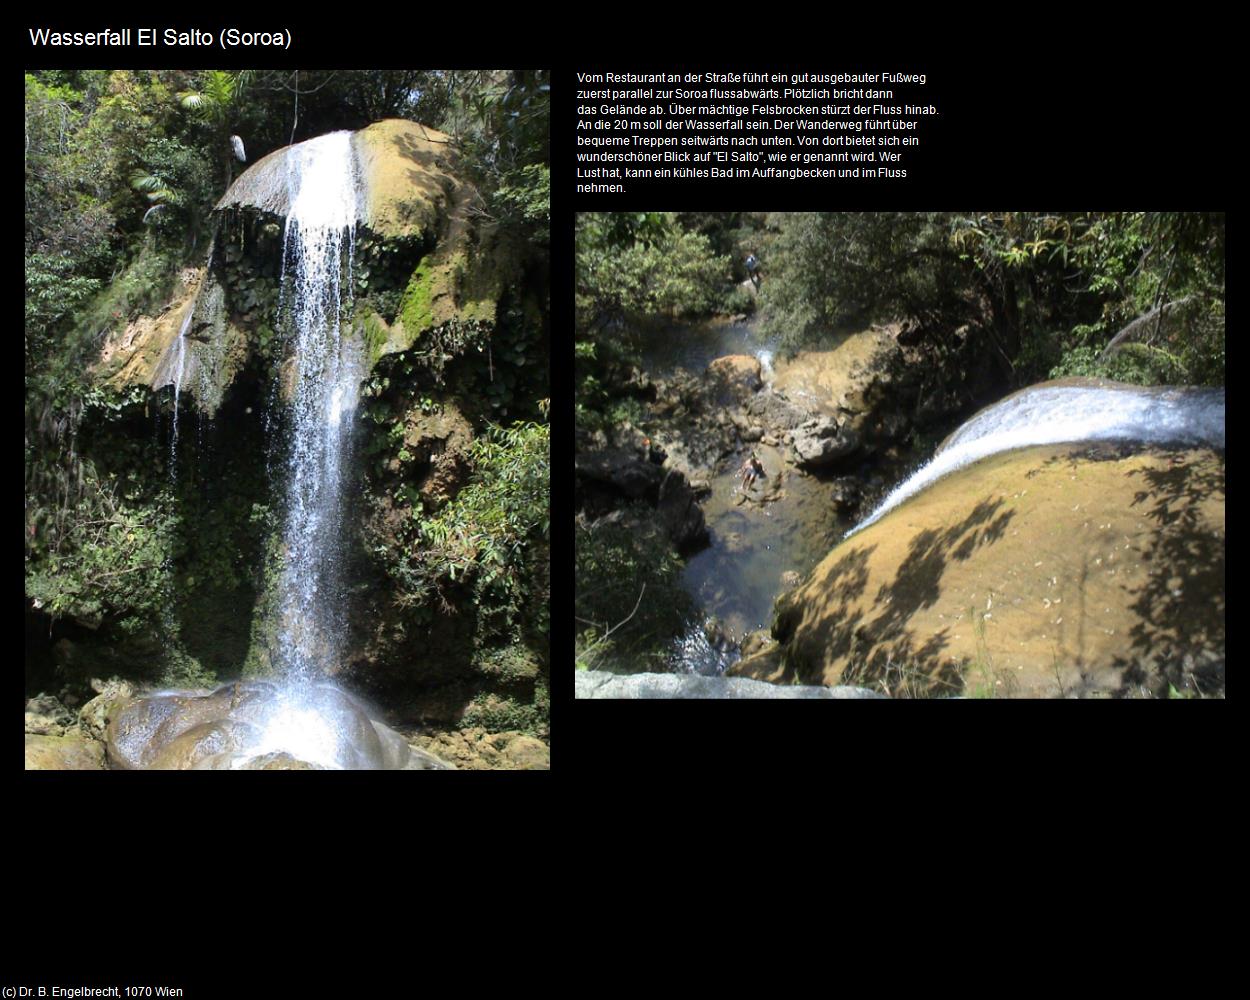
<point>1061,117</point>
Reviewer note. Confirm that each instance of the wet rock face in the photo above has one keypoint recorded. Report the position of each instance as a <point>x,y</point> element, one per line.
<point>407,179</point>
<point>257,725</point>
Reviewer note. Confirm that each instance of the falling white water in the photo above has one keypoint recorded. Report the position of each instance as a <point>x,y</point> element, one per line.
<point>317,262</point>
<point>180,363</point>
<point>1061,414</point>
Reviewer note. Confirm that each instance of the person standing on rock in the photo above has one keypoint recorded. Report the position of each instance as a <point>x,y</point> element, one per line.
<point>753,270</point>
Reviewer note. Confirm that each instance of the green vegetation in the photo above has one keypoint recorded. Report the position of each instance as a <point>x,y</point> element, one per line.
<point>643,264</point>
<point>630,602</point>
<point>504,713</point>
<point>1043,294</point>
<point>633,267</point>
<point>167,572</point>
<point>111,555</point>
<point>488,530</point>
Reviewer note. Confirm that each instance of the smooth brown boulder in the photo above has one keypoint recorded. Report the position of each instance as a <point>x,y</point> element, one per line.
<point>1049,571</point>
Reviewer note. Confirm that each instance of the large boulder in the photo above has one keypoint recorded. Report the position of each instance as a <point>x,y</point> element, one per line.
<point>407,179</point>
<point>680,512</point>
<point>837,378</point>
<point>736,375</point>
<point>257,725</point>
<point>822,441</point>
<point>624,470</point>
<point>1051,571</point>
<point>184,752</point>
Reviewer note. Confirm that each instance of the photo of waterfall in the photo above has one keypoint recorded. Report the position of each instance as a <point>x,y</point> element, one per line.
<point>287,420</point>
<point>872,455</point>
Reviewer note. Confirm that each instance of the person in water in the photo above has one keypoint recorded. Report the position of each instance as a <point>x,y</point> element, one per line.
<point>753,270</point>
<point>752,469</point>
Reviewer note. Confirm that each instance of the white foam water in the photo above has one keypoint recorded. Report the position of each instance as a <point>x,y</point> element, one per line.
<point>180,364</point>
<point>327,369</point>
<point>765,357</point>
<point>1062,414</point>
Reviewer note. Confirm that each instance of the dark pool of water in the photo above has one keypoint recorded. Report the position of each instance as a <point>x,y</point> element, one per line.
<point>739,575</point>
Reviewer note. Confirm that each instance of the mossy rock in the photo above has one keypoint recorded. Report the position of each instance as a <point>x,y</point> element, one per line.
<point>458,284</point>
<point>498,711</point>
<point>134,355</point>
<point>509,665</point>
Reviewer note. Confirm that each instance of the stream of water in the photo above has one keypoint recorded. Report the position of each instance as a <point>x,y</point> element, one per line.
<point>759,549</point>
<point>317,381</point>
<point>180,364</point>
<point>753,543</point>
<point>1057,414</point>
<point>675,348</point>
<point>327,369</point>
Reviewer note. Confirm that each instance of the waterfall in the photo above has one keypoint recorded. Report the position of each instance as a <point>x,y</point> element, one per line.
<point>180,363</point>
<point>325,369</point>
<point>1060,414</point>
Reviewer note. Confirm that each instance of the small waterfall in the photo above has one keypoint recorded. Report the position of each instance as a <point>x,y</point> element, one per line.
<point>179,366</point>
<point>694,653</point>
<point>1061,414</point>
<point>325,373</point>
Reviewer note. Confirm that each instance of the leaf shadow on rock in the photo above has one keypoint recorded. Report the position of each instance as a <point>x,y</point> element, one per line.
<point>1178,640</point>
<point>882,648</point>
<point>424,174</point>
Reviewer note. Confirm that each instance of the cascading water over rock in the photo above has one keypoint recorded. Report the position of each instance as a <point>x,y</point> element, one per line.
<point>216,339</point>
<point>325,372</point>
<point>180,364</point>
<point>1058,414</point>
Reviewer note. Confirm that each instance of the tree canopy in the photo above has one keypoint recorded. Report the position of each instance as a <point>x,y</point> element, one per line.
<point>1045,293</point>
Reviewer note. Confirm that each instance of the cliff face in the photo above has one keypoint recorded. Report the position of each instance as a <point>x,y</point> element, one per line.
<point>450,315</point>
<point>422,265</point>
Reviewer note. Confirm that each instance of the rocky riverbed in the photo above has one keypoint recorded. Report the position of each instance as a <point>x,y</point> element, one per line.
<point>252,725</point>
<point>831,428</point>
